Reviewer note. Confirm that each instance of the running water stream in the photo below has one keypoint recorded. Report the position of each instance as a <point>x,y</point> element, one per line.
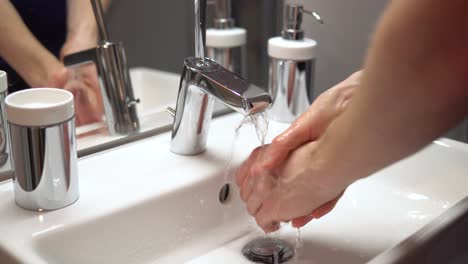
<point>261,123</point>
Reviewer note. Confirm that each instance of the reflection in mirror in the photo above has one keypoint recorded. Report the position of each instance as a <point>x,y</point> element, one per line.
<point>157,36</point>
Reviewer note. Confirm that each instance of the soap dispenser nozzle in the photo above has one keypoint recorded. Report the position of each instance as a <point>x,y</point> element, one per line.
<point>223,17</point>
<point>292,21</point>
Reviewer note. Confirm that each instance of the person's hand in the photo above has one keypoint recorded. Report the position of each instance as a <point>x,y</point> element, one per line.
<point>311,124</point>
<point>83,82</point>
<point>308,127</point>
<point>292,191</point>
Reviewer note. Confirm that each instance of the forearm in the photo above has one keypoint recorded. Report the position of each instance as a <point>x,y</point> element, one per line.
<point>413,89</point>
<point>34,63</point>
<point>81,21</point>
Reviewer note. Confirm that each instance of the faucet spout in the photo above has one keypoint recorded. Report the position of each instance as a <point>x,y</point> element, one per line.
<point>203,80</point>
<point>226,86</point>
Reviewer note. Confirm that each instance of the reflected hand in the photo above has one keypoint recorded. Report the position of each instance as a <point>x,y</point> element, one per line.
<point>264,164</point>
<point>82,82</point>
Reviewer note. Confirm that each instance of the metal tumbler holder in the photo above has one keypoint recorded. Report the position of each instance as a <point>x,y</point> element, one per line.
<point>44,153</point>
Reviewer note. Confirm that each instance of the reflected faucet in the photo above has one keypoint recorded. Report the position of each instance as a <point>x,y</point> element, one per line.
<point>114,78</point>
<point>201,81</point>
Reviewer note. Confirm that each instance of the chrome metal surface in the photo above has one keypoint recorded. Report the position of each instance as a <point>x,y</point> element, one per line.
<point>45,163</point>
<point>115,85</point>
<point>232,59</point>
<point>201,82</point>
<point>291,86</point>
<point>200,28</point>
<point>99,15</point>
<point>5,157</point>
<point>223,14</point>
<point>292,21</point>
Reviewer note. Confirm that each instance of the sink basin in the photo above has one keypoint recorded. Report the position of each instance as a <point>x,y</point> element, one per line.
<point>140,203</point>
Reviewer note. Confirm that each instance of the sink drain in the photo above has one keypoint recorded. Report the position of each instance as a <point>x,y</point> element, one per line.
<point>268,250</point>
<point>224,193</point>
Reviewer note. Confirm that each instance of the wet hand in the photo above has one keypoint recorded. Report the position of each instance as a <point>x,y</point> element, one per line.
<point>313,123</point>
<point>297,191</point>
<point>267,162</point>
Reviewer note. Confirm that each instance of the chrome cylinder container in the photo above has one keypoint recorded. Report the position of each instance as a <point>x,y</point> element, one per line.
<point>291,87</point>
<point>45,163</point>
<point>232,59</point>
<point>43,147</point>
<point>5,164</point>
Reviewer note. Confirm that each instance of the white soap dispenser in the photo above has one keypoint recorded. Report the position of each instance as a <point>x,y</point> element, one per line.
<point>292,63</point>
<point>225,43</point>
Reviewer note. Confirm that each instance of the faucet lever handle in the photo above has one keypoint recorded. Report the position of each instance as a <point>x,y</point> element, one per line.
<point>171,111</point>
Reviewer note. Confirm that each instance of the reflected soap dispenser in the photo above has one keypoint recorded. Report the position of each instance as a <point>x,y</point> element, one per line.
<point>225,43</point>
<point>291,70</point>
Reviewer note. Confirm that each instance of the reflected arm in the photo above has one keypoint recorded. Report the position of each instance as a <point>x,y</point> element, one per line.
<point>18,46</point>
<point>81,26</point>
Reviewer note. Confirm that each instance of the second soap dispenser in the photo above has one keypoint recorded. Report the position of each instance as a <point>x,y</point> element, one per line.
<point>292,63</point>
<point>225,43</point>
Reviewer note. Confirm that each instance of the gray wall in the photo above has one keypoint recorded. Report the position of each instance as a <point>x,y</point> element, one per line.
<point>155,33</point>
<point>159,34</point>
<point>343,38</point>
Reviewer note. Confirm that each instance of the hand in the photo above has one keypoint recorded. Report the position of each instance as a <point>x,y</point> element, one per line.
<point>307,128</point>
<point>82,81</point>
<point>292,191</point>
<point>312,124</point>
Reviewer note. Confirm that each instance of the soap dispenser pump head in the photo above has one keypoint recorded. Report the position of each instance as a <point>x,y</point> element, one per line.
<point>223,14</point>
<point>292,21</point>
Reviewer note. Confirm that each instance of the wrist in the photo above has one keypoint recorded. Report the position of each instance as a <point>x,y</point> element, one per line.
<point>84,32</point>
<point>333,161</point>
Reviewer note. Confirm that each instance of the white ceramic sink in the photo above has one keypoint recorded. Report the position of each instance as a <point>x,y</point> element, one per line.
<point>140,203</point>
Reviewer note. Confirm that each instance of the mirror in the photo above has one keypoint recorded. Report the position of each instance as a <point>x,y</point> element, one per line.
<point>156,42</point>
<point>157,37</point>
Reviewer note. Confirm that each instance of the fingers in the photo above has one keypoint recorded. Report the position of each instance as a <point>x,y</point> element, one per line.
<point>267,215</point>
<point>317,213</point>
<point>301,221</point>
<point>243,170</point>
<point>262,187</point>
<point>326,208</point>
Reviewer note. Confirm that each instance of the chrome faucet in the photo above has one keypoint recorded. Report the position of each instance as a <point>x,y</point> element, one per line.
<point>201,81</point>
<point>114,78</point>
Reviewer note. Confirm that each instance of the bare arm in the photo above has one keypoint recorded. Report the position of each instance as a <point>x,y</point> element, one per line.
<point>81,26</point>
<point>33,62</point>
<point>414,88</point>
